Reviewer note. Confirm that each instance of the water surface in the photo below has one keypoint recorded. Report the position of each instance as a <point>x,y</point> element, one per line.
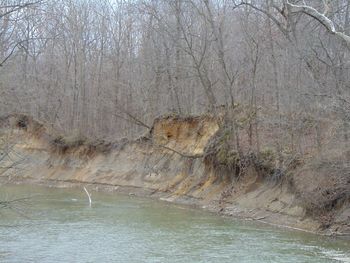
<point>57,225</point>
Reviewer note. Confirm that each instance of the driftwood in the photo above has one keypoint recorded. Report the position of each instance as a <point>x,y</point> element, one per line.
<point>89,196</point>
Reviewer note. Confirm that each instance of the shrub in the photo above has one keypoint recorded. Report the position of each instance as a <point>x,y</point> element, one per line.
<point>265,163</point>
<point>63,143</point>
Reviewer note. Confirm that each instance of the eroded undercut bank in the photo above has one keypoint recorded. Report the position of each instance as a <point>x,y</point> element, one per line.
<point>210,161</point>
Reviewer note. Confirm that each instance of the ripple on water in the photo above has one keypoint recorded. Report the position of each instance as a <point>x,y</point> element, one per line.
<point>62,228</point>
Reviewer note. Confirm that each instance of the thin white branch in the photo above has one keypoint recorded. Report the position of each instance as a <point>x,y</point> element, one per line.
<point>343,36</point>
<point>321,18</point>
<point>89,196</point>
<point>308,10</point>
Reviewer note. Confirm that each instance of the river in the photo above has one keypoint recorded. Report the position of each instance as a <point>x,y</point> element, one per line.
<point>57,225</point>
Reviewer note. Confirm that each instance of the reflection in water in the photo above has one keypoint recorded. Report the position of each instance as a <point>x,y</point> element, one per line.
<point>61,227</point>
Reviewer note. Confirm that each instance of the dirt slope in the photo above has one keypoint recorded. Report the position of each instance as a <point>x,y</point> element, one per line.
<point>168,164</point>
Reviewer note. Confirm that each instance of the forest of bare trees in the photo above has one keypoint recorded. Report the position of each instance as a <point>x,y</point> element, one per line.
<point>108,68</point>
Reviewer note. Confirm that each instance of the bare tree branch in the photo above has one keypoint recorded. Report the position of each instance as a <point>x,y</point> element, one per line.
<point>321,18</point>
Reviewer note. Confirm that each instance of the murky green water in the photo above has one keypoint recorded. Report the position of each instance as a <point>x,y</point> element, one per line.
<point>57,225</point>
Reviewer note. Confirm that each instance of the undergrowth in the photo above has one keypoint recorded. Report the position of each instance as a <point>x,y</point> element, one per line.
<point>222,156</point>
<point>64,144</point>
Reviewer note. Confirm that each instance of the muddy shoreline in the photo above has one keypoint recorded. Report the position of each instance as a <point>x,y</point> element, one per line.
<point>144,169</point>
<point>221,209</point>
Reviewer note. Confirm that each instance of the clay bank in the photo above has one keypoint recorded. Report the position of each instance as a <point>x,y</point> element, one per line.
<point>198,161</point>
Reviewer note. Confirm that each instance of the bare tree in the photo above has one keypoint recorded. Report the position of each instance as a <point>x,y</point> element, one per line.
<point>108,68</point>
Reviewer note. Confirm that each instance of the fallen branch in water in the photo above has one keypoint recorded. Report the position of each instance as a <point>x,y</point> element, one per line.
<point>89,196</point>
<point>10,203</point>
<point>15,205</point>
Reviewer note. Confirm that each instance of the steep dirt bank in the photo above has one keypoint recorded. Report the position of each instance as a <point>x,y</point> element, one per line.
<point>178,161</point>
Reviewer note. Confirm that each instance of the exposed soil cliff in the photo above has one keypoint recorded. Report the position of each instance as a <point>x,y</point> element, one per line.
<point>182,160</point>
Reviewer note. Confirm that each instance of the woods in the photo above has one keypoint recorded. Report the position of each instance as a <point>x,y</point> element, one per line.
<point>108,68</point>
<point>209,100</point>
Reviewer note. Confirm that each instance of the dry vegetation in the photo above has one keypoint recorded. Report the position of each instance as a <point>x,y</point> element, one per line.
<point>320,180</point>
<point>269,78</point>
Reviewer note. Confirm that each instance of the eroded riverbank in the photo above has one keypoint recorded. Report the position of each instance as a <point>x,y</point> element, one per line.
<point>167,165</point>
